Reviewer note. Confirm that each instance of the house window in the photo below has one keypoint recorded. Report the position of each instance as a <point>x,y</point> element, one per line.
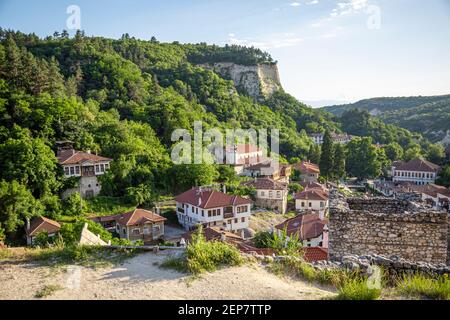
<point>278,194</point>
<point>209,213</point>
<point>136,231</point>
<point>236,221</point>
<point>102,168</point>
<point>322,204</point>
<point>156,229</point>
<point>77,170</point>
<point>242,209</point>
<point>243,220</point>
<point>107,166</point>
<point>310,204</point>
<point>270,194</point>
<point>303,204</point>
<point>262,194</point>
<point>97,168</point>
<point>72,171</point>
<point>203,213</point>
<point>66,171</point>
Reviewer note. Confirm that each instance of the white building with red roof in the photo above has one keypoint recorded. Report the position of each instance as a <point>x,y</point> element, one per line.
<point>84,165</point>
<point>211,208</point>
<point>312,199</point>
<point>309,172</point>
<point>417,171</point>
<point>270,193</point>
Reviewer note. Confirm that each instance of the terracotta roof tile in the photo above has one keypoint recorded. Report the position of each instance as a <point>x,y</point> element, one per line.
<point>305,226</point>
<point>42,224</point>
<point>312,194</point>
<point>266,184</point>
<point>138,217</point>
<point>313,254</point>
<point>207,199</point>
<point>418,165</point>
<point>78,157</point>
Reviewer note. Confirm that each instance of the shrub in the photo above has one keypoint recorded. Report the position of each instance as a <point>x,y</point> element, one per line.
<point>357,289</point>
<point>42,240</point>
<point>47,291</point>
<point>71,232</point>
<point>419,285</point>
<point>290,246</point>
<point>204,256</point>
<point>74,205</point>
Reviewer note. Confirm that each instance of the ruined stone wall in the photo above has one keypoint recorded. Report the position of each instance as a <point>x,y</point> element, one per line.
<point>387,227</point>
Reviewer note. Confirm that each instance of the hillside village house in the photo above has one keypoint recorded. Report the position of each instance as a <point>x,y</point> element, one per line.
<point>267,169</point>
<point>311,229</point>
<point>136,225</point>
<point>418,171</point>
<point>314,199</point>
<point>86,166</point>
<point>243,155</point>
<point>270,194</point>
<point>211,208</point>
<point>309,172</point>
<point>38,225</point>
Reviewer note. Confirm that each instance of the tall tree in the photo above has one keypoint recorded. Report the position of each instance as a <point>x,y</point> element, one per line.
<point>314,153</point>
<point>362,159</point>
<point>339,161</point>
<point>327,156</point>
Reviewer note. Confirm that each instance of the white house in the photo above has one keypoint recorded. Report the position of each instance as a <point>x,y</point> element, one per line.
<point>312,200</point>
<point>270,194</point>
<point>211,208</point>
<point>417,171</point>
<point>86,166</point>
<point>343,138</point>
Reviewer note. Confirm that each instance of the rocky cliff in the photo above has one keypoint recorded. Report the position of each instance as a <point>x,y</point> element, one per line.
<point>258,81</point>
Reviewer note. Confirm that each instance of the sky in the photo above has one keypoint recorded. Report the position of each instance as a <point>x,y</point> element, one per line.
<point>327,51</point>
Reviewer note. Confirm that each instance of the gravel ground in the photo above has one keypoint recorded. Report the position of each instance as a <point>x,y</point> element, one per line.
<point>141,278</point>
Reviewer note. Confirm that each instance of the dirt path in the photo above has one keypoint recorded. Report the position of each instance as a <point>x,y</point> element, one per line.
<point>140,278</point>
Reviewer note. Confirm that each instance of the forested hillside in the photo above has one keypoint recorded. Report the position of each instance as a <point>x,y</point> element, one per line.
<point>429,116</point>
<point>122,99</point>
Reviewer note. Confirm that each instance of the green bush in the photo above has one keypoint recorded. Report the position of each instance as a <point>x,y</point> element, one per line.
<point>74,205</point>
<point>42,240</point>
<point>47,291</point>
<point>204,256</point>
<point>420,286</point>
<point>71,232</point>
<point>357,289</point>
<point>284,245</point>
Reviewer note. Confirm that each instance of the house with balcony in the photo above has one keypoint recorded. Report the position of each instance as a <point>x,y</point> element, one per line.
<point>211,208</point>
<point>269,170</point>
<point>309,172</point>
<point>241,156</point>
<point>83,165</point>
<point>417,171</point>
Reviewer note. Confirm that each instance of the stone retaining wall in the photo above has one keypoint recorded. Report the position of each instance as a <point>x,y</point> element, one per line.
<point>388,227</point>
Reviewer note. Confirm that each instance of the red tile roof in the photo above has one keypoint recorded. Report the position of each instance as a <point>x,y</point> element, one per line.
<point>313,254</point>
<point>307,167</point>
<point>77,157</point>
<point>42,224</point>
<point>420,165</point>
<point>312,185</point>
<point>312,194</point>
<point>139,217</point>
<point>208,199</point>
<point>305,226</point>
<point>266,184</point>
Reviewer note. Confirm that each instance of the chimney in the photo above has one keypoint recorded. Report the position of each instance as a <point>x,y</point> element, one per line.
<point>224,188</point>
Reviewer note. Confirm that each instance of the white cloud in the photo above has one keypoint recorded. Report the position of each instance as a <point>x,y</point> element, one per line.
<point>294,4</point>
<point>348,7</point>
<point>312,2</point>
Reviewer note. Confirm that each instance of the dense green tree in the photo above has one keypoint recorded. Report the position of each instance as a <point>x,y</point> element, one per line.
<point>17,204</point>
<point>394,151</point>
<point>436,153</point>
<point>362,159</point>
<point>444,176</point>
<point>339,162</point>
<point>412,152</point>
<point>327,156</point>
<point>314,153</point>
<point>186,176</point>
<point>74,205</point>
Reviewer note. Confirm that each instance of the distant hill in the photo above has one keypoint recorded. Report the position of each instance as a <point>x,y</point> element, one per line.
<point>429,116</point>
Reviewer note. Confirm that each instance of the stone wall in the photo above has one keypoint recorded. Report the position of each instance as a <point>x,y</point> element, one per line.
<point>386,227</point>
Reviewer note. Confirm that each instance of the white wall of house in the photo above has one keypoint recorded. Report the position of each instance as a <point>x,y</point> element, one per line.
<point>194,215</point>
<point>233,157</point>
<point>318,205</point>
<point>417,177</point>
